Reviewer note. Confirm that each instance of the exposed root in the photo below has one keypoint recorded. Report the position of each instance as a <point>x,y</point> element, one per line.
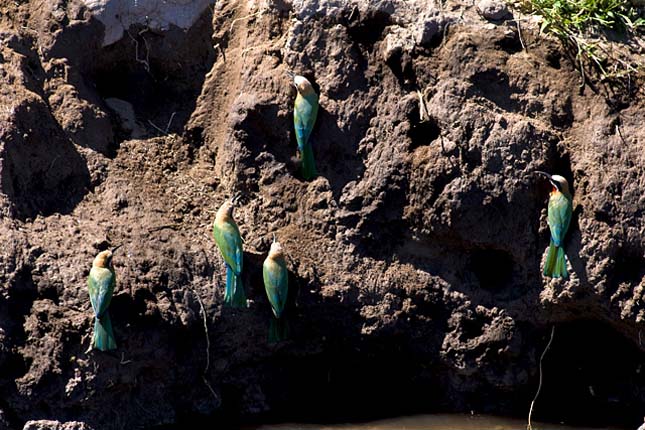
<point>208,346</point>
<point>537,393</point>
<point>519,33</point>
<point>145,61</point>
<point>162,131</point>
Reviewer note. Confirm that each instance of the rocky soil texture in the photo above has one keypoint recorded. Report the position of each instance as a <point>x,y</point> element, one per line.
<point>414,256</point>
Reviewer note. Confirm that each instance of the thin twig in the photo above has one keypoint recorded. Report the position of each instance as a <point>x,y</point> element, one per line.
<point>423,110</point>
<point>52,163</point>
<point>145,62</point>
<point>620,134</point>
<point>445,33</point>
<point>528,426</point>
<point>582,71</point>
<point>519,33</point>
<point>170,122</point>
<point>162,131</point>
<point>155,126</point>
<point>443,148</point>
<point>208,346</point>
<point>351,15</point>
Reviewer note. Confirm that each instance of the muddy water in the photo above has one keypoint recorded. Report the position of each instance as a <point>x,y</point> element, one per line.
<point>429,422</point>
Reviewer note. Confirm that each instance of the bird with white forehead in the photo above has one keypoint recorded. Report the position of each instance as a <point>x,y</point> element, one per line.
<point>100,285</point>
<point>559,213</point>
<point>229,241</point>
<point>305,111</point>
<point>276,285</point>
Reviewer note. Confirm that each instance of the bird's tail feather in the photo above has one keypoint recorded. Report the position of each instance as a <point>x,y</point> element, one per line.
<point>556,262</point>
<point>561,263</point>
<point>308,166</point>
<point>234,294</point>
<point>103,338</point>
<point>278,329</point>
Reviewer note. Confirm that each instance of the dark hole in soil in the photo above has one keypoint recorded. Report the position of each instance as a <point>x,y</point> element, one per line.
<point>562,166</point>
<point>22,293</point>
<point>493,268</point>
<point>42,173</point>
<point>336,389</point>
<point>592,376</point>
<point>629,266</point>
<point>369,29</point>
<point>472,328</point>
<point>494,85</point>
<point>553,57</point>
<point>266,128</point>
<point>423,133</point>
<point>510,43</point>
<point>161,76</point>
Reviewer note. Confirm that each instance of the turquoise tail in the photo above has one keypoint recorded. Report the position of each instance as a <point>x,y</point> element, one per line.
<point>234,294</point>
<point>103,338</point>
<point>278,329</point>
<point>308,166</point>
<point>556,262</point>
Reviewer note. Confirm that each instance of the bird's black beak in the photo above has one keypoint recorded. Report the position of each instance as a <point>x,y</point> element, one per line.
<point>549,177</point>
<point>539,172</point>
<point>292,76</point>
<point>236,198</point>
<point>116,247</point>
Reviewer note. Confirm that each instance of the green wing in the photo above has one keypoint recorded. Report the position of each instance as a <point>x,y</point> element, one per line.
<point>100,284</point>
<point>304,117</point>
<point>276,284</point>
<point>228,240</point>
<point>559,216</point>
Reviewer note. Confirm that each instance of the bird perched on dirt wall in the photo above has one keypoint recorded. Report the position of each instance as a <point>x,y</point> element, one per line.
<point>305,110</point>
<point>100,284</point>
<point>276,285</point>
<point>559,216</point>
<point>228,240</point>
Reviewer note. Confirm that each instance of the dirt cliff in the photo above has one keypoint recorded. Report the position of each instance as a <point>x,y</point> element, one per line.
<point>415,256</point>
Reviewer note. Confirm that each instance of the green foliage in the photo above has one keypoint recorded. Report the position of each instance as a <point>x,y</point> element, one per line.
<point>580,24</point>
<point>565,16</point>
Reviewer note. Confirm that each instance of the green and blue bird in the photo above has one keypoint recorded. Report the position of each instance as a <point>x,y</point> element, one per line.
<point>100,284</point>
<point>559,217</point>
<point>228,240</point>
<point>276,285</point>
<point>305,111</point>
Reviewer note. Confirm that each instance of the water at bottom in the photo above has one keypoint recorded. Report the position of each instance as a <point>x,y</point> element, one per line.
<point>429,422</point>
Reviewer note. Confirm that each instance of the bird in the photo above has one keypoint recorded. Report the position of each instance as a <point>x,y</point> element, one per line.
<point>305,110</point>
<point>228,240</point>
<point>276,285</point>
<point>100,285</point>
<point>559,217</point>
